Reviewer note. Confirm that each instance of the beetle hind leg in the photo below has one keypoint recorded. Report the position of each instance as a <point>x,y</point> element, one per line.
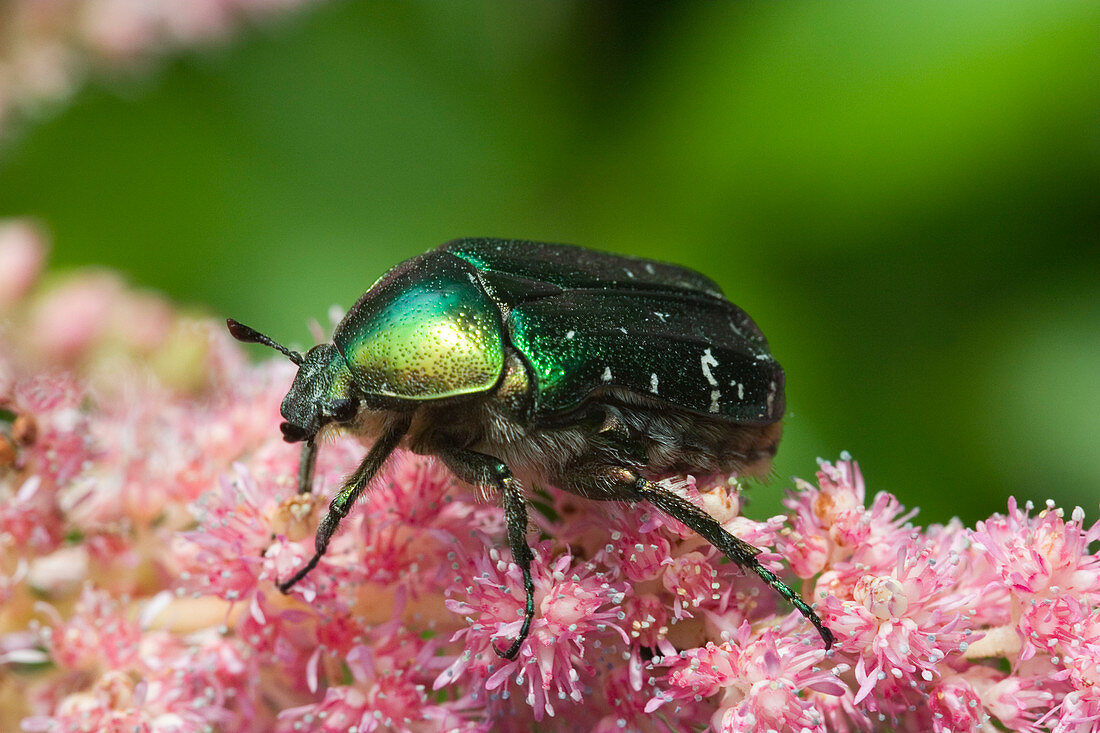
<point>735,549</point>
<point>623,483</point>
<point>487,472</point>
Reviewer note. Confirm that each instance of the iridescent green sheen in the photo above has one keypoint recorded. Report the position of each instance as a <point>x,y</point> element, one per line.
<point>425,331</point>
<point>698,353</point>
<point>342,379</point>
<point>551,358</point>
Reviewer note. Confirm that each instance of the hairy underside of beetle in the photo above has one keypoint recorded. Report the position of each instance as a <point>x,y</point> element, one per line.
<point>615,429</point>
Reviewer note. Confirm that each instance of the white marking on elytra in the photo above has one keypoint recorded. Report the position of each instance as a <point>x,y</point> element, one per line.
<point>625,332</point>
<point>740,388</point>
<point>662,316</point>
<point>708,361</point>
<point>714,397</point>
<point>628,272</point>
<point>772,386</point>
<point>763,357</point>
<point>649,269</point>
<point>606,374</point>
<point>653,382</point>
<point>570,334</point>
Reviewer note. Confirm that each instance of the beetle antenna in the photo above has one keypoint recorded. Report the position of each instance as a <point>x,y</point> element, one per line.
<point>249,335</point>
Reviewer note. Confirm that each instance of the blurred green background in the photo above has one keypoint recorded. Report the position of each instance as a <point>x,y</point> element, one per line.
<point>906,197</point>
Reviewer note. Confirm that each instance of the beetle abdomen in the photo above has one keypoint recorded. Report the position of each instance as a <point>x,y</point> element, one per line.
<point>677,442</point>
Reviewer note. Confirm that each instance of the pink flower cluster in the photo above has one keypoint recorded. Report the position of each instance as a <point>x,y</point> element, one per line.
<point>50,46</point>
<point>148,507</point>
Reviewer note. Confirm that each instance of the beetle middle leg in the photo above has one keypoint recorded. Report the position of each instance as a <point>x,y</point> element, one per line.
<point>624,483</point>
<point>482,470</point>
<point>352,488</point>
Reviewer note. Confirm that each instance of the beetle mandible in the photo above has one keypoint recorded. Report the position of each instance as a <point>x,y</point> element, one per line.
<point>545,364</point>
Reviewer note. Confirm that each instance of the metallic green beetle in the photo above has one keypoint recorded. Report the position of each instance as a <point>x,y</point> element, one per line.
<point>546,364</point>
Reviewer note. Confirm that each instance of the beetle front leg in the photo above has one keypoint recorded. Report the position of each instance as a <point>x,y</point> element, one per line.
<point>306,464</point>
<point>482,470</point>
<point>353,487</point>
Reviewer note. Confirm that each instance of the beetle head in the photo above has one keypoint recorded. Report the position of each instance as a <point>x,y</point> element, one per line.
<point>321,394</point>
<point>322,391</point>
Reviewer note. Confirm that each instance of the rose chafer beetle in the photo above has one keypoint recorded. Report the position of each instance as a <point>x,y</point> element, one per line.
<point>521,363</point>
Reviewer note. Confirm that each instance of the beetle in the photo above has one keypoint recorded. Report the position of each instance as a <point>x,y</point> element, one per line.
<point>523,363</point>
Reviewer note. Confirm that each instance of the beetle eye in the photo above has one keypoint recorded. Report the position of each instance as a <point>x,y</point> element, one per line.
<point>343,410</point>
<point>292,433</point>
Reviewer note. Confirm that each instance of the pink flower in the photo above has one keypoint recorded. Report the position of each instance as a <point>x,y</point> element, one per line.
<point>1044,564</point>
<point>575,613</point>
<point>692,581</point>
<point>61,444</point>
<point>639,556</point>
<point>29,518</point>
<point>762,681</point>
<point>148,508</point>
<point>96,635</point>
<point>833,525</point>
<point>141,680</point>
<point>1079,710</point>
<point>412,520</point>
<point>905,622</point>
<point>956,706</point>
<point>389,692</point>
<point>115,705</point>
<point>624,709</point>
<point>227,555</point>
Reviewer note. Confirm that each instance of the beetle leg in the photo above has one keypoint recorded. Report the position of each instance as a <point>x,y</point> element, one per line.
<point>305,473</point>
<point>735,549</point>
<point>351,490</point>
<point>482,470</point>
<point>305,467</point>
